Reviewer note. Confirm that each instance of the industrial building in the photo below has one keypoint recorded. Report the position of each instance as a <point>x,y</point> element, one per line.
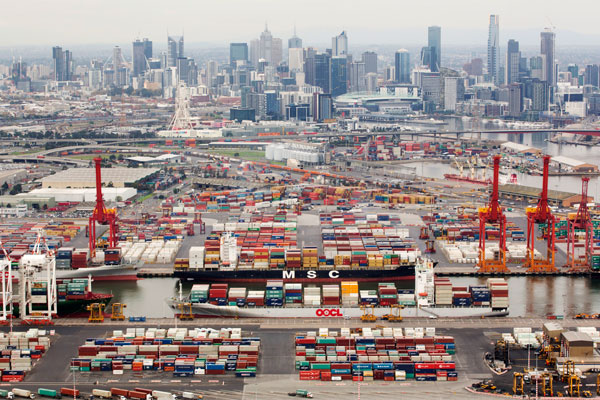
<point>30,201</point>
<point>162,159</point>
<point>571,165</point>
<point>12,176</point>
<point>555,197</point>
<point>305,153</point>
<point>512,147</point>
<point>86,177</point>
<point>83,195</point>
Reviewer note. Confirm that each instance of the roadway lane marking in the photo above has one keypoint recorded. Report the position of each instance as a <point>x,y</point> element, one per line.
<point>134,381</point>
<point>155,381</point>
<point>195,381</point>
<point>213,381</point>
<point>175,380</point>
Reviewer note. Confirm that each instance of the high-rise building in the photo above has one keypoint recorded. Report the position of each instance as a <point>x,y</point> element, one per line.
<point>62,64</point>
<point>574,70</point>
<point>266,47</point>
<point>434,42</point>
<point>547,50</point>
<point>402,66</point>
<point>371,82</point>
<point>317,69</point>
<point>493,50</point>
<point>147,48</point>
<point>591,75</point>
<point>370,60</point>
<point>322,107</point>
<point>454,91</point>
<point>426,57</point>
<point>536,67</point>
<point>513,58</point>
<point>276,52</point>
<point>339,75</point>
<point>357,76</point>
<point>238,52</point>
<point>339,44</point>
<point>515,100</point>
<point>117,59</point>
<point>296,59</point>
<point>212,68</point>
<point>174,50</point>
<point>539,93</point>
<point>294,42</point>
<point>138,58</point>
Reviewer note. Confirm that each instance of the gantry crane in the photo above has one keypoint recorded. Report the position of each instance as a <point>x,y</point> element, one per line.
<point>580,222</point>
<point>101,215</point>
<point>492,214</point>
<point>541,214</point>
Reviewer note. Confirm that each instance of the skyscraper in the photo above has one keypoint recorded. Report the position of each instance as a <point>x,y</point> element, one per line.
<point>339,75</point>
<point>147,48</point>
<point>58,58</point>
<point>238,52</point>
<point>513,58</point>
<point>357,76</point>
<point>434,42</point>
<point>294,42</point>
<point>322,77</point>
<point>592,75</point>
<point>402,64</point>
<point>547,50</point>
<point>339,44</point>
<point>370,60</point>
<point>267,47</point>
<point>493,49</point>
<point>139,58</point>
<point>174,50</point>
<point>117,58</point>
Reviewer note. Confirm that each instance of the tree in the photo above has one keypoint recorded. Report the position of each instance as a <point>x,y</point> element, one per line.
<point>110,184</point>
<point>16,189</point>
<point>4,187</point>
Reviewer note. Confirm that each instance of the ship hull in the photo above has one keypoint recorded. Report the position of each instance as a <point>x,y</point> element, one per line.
<point>402,273</point>
<point>101,273</point>
<point>69,307</point>
<point>211,310</point>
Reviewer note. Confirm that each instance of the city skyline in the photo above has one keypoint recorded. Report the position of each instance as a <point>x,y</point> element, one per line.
<point>313,28</point>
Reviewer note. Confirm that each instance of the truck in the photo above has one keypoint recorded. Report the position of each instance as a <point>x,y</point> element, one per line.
<point>119,392</point>
<point>49,393</point>
<point>23,393</point>
<point>301,393</point>
<point>69,392</point>
<point>4,394</point>
<point>191,396</point>
<point>103,394</point>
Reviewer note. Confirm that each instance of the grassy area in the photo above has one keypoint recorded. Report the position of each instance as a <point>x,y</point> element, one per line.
<point>23,153</point>
<point>88,156</point>
<point>252,155</point>
<point>144,198</point>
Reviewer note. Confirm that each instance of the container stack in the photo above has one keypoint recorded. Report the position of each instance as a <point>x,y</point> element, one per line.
<point>293,258</point>
<point>312,296</point>
<point>369,297</point>
<point>255,298</point>
<point>310,258</point>
<point>199,293</point>
<point>212,246</point>
<point>386,355</point>
<point>331,295</point>
<point>63,257</point>
<point>349,293</point>
<point>499,292</point>
<point>200,351</point>
<point>19,352</point>
<point>274,294</point>
<point>196,257</point>
<point>461,297</point>
<point>293,294</point>
<point>277,258</point>
<point>218,294</point>
<point>481,295</point>
<point>388,294</point>
<point>112,256</point>
<point>237,296</point>
<point>80,258</point>
<point>443,292</point>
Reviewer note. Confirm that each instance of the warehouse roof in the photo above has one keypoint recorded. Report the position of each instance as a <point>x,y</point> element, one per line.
<point>161,158</point>
<point>530,191</point>
<point>568,161</point>
<point>86,177</point>
<point>521,148</point>
<point>577,337</point>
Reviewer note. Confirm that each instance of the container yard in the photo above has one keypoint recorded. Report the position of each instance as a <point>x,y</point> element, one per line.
<point>20,351</point>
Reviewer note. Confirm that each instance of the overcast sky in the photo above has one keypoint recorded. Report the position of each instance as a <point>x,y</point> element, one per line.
<point>402,22</point>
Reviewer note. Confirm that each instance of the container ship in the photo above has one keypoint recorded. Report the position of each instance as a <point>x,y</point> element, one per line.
<point>432,297</point>
<point>454,177</point>
<point>363,248</point>
<point>72,263</point>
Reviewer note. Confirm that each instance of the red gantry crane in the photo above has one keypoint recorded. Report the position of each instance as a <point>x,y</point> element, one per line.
<point>492,214</point>
<point>541,214</point>
<point>101,214</point>
<point>580,224</point>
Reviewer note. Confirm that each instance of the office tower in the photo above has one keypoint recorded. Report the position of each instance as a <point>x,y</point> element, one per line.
<point>371,82</point>
<point>591,75</point>
<point>339,75</point>
<point>238,52</point>
<point>493,50</point>
<point>547,50</point>
<point>321,77</point>
<point>276,52</point>
<point>434,42</point>
<point>515,100</point>
<point>68,65</point>
<point>58,58</point>
<point>254,53</point>
<point>370,60</point>
<point>402,66</point>
<point>212,68</point>
<point>539,93</point>
<point>187,71</point>
<point>322,107</point>
<point>174,50</point>
<point>454,91</point>
<point>139,58</point>
<point>536,67</point>
<point>296,59</point>
<point>117,59</point>
<point>294,42</point>
<point>513,59</point>
<point>574,70</point>
<point>474,68</point>
<point>147,48</point>
<point>357,76</point>
<point>426,57</point>
<point>339,44</point>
